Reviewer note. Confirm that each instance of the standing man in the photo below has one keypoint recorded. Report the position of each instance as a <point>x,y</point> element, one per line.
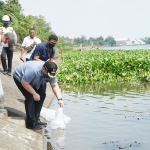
<point>7,38</point>
<point>7,49</point>
<point>30,78</point>
<point>29,44</point>
<point>45,51</point>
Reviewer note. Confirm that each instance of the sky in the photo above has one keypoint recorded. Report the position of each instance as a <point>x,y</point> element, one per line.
<point>93,18</point>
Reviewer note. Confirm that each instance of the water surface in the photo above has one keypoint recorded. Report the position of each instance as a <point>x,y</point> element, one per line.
<point>106,117</point>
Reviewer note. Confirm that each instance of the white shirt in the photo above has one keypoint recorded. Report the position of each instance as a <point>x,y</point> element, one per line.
<point>27,42</point>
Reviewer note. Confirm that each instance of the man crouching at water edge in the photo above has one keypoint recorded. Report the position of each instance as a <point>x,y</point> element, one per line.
<point>30,77</point>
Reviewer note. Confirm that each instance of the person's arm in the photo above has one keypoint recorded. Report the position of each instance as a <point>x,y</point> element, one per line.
<point>30,89</point>
<point>23,46</point>
<point>52,55</point>
<point>22,52</point>
<point>37,52</point>
<point>57,93</point>
<point>28,76</point>
<point>37,57</point>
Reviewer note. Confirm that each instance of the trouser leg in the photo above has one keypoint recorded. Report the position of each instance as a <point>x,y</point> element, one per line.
<point>29,105</point>
<point>27,59</point>
<point>39,104</point>
<point>10,57</point>
<point>3,59</point>
<point>30,111</point>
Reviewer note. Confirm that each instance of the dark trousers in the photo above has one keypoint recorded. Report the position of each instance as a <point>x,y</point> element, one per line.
<point>9,52</point>
<point>32,107</point>
<point>27,59</point>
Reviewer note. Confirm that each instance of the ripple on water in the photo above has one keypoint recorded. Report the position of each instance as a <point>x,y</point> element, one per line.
<point>113,115</point>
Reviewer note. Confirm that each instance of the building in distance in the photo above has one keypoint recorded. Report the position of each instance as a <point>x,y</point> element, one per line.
<point>127,41</point>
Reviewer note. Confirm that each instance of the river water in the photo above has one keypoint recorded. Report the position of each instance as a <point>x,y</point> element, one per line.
<point>127,47</point>
<point>105,117</point>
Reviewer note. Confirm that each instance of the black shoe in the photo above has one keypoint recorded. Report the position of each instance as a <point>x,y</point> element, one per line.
<point>37,127</point>
<point>33,126</point>
<point>42,123</point>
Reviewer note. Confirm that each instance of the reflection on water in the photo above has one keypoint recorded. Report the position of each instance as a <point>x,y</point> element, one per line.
<point>56,137</point>
<point>106,117</point>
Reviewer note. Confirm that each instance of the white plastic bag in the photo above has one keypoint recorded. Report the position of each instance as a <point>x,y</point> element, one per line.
<point>1,92</point>
<point>58,121</point>
<point>58,137</point>
<point>49,115</point>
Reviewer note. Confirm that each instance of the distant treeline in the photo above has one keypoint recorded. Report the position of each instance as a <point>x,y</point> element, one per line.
<point>99,41</point>
<point>22,24</point>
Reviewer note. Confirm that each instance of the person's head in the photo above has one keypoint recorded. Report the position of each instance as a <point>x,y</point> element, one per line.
<point>49,69</point>
<point>52,40</point>
<point>9,38</point>
<point>32,32</point>
<point>5,20</point>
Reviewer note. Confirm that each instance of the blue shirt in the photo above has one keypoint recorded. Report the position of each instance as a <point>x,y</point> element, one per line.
<point>31,72</point>
<point>41,51</point>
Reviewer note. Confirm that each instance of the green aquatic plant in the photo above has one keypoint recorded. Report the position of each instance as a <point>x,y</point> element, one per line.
<point>105,66</point>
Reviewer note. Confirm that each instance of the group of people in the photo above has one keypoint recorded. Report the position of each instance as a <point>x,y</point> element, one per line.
<point>31,76</point>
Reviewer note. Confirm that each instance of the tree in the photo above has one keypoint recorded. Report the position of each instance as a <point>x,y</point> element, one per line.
<point>146,40</point>
<point>22,23</point>
<point>101,42</point>
<point>110,40</point>
<point>1,10</point>
<point>1,5</point>
<point>43,29</point>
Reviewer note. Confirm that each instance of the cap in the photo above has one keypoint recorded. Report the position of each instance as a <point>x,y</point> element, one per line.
<point>51,68</point>
<point>5,18</point>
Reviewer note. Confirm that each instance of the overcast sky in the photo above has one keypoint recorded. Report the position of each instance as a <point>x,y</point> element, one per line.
<point>93,18</point>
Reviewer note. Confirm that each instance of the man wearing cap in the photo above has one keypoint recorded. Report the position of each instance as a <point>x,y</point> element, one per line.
<point>7,49</point>
<point>30,77</point>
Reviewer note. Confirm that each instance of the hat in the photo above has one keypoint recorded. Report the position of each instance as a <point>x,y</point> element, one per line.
<point>51,68</point>
<point>5,18</point>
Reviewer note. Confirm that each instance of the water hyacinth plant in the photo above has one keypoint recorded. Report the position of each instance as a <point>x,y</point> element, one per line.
<point>105,66</point>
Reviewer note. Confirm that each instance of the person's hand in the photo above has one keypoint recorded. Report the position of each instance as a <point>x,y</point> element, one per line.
<point>34,43</point>
<point>48,60</point>
<point>51,60</point>
<point>36,97</point>
<point>21,58</point>
<point>61,103</point>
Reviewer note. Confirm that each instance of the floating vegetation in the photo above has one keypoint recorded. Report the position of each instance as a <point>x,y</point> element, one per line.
<point>105,66</point>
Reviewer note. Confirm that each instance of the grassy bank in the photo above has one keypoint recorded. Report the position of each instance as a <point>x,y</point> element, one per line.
<point>105,66</point>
